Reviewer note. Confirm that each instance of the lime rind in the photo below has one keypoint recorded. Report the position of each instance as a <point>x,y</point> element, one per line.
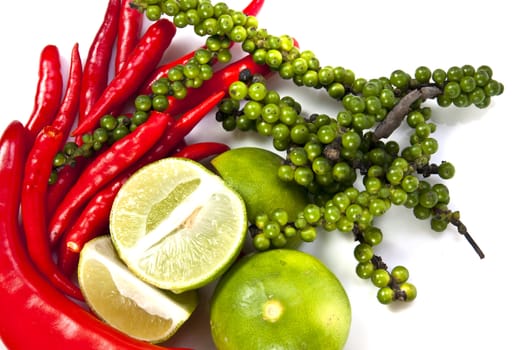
<point>253,173</point>
<point>280,299</point>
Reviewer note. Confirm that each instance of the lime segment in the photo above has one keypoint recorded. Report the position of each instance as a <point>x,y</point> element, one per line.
<point>125,302</point>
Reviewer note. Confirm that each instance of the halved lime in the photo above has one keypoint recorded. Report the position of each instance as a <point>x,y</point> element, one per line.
<point>127,303</point>
<point>177,225</point>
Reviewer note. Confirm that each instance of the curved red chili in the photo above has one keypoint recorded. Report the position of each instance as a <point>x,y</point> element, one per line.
<point>201,150</point>
<point>93,221</point>
<point>68,110</point>
<point>104,168</point>
<point>49,90</point>
<point>96,68</point>
<point>128,33</point>
<point>34,215</point>
<point>43,314</point>
<point>182,126</point>
<point>63,121</point>
<point>142,61</point>
<point>66,177</point>
<point>180,145</point>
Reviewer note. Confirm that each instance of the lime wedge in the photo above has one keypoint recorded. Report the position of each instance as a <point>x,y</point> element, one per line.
<point>177,225</point>
<point>127,303</point>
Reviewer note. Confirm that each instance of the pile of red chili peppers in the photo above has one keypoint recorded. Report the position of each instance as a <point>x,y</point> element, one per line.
<point>43,227</point>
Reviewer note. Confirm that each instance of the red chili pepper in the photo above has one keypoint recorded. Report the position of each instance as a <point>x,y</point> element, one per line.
<point>172,102</point>
<point>140,64</point>
<point>34,215</point>
<point>180,145</point>
<point>104,168</point>
<point>93,221</point>
<point>43,314</point>
<point>202,150</point>
<point>253,7</point>
<point>49,91</point>
<point>220,81</point>
<point>94,218</point>
<point>63,121</point>
<point>68,110</point>
<point>183,125</point>
<point>96,68</point>
<point>128,34</point>
<point>67,176</point>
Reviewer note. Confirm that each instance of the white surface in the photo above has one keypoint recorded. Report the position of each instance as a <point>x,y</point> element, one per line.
<point>463,303</point>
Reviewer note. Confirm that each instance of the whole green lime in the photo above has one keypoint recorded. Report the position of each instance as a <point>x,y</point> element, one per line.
<point>280,299</point>
<point>252,172</point>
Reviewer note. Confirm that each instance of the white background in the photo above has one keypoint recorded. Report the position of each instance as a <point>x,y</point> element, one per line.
<point>463,302</point>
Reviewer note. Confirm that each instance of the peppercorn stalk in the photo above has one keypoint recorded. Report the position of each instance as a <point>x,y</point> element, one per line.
<point>327,154</point>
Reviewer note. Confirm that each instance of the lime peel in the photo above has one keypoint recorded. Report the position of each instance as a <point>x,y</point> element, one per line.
<point>280,299</point>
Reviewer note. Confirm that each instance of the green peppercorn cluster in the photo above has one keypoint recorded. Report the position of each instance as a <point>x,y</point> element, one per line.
<point>110,130</point>
<point>353,177</point>
<point>221,25</point>
<point>351,167</point>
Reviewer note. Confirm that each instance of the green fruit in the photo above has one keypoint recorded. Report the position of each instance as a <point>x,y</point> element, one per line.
<point>280,299</point>
<point>253,173</point>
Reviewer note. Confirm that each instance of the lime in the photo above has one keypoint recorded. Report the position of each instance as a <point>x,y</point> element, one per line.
<point>280,299</point>
<point>125,302</point>
<point>253,172</point>
<point>177,225</point>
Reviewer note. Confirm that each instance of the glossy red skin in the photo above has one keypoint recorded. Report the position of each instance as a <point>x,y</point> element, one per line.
<point>253,7</point>
<point>105,167</point>
<point>183,124</point>
<point>49,91</point>
<point>63,121</point>
<point>96,67</point>
<point>202,150</point>
<point>142,61</point>
<point>67,176</point>
<point>33,211</point>
<point>93,221</point>
<point>128,34</point>
<point>69,106</point>
<point>34,313</point>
